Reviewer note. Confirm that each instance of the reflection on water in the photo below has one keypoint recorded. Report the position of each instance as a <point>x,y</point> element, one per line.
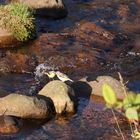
<point>16,83</point>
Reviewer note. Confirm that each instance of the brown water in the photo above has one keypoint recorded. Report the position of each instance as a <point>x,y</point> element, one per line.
<point>91,122</point>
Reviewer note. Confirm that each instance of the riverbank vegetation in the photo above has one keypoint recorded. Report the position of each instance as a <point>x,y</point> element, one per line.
<point>18,19</point>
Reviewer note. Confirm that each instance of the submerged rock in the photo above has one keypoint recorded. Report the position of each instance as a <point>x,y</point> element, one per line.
<point>7,40</point>
<point>94,34</point>
<point>52,54</point>
<point>9,124</point>
<point>24,106</point>
<point>62,96</point>
<point>49,8</point>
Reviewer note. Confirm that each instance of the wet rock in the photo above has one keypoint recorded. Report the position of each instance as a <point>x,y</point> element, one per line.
<point>4,67</point>
<point>24,106</point>
<point>130,63</point>
<point>62,96</point>
<point>9,124</point>
<point>93,34</point>
<point>18,62</point>
<point>98,84</point>
<point>49,8</point>
<point>7,40</point>
<point>123,12</point>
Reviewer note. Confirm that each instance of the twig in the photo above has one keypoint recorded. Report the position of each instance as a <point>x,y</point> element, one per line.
<point>117,124</point>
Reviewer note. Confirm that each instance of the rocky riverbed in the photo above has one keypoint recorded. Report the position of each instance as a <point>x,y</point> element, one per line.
<point>96,38</point>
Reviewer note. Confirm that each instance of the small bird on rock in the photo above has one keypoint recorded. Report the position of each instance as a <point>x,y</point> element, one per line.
<point>63,77</point>
<point>50,74</point>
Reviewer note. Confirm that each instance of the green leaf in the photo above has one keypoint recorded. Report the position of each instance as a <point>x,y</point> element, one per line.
<point>109,94</point>
<point>108,105</point>
<point>129,100</point>
<point>132,114</point>
<point>118,105</point>
<point>137,99</point>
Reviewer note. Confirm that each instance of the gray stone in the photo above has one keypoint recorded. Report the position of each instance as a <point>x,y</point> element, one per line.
<point>101,80</point>
<point>24,106</point>
<point>61,94</point>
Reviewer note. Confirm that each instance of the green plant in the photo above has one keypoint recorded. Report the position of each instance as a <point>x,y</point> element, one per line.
<point>129,106</point>
<point>17,18</point>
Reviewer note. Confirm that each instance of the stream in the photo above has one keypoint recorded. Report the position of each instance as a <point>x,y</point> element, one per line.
<point>98,37</point>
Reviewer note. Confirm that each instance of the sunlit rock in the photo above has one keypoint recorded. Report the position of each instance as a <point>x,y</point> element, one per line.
<point>24,106</point>
<point>97,85</point>
<point>61,94</point>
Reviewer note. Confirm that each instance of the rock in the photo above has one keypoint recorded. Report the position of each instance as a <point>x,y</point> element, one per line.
<point>7,40</point>
<point>9,124</point>
<point>61,94</point>
<point>100,80</point>
<point>24,106</point>
<point>54,9</point>
<point>123,12</point>
<point>96,35</point>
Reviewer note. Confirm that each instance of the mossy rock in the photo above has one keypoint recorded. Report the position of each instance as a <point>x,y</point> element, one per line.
<point>16,24</point>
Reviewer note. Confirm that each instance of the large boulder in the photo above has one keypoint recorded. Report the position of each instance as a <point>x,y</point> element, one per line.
<point>62,96</point>
<point>24,106</point>
<point>49,8</point>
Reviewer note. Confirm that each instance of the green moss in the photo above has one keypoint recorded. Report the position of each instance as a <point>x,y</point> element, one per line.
<point>18,18</point>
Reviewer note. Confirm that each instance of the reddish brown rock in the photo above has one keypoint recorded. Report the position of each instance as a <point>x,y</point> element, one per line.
<point>93,34</point>
<point>7,40</point>
<point>123,11</point>
<point>9,125</point>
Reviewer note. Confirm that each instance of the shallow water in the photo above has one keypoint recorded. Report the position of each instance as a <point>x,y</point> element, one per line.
<point>90,122</point>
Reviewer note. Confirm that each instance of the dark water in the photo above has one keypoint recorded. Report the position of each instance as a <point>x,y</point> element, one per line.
<point>90,122</point>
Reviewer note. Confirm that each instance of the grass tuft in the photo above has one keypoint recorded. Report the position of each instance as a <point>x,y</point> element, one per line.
<point>18,18</point>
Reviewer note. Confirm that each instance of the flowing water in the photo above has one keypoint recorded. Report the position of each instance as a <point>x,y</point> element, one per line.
<point>90,122</point>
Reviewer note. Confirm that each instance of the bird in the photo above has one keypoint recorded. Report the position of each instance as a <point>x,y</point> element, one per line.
<point>63,77</point>
<point>50,74</point>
